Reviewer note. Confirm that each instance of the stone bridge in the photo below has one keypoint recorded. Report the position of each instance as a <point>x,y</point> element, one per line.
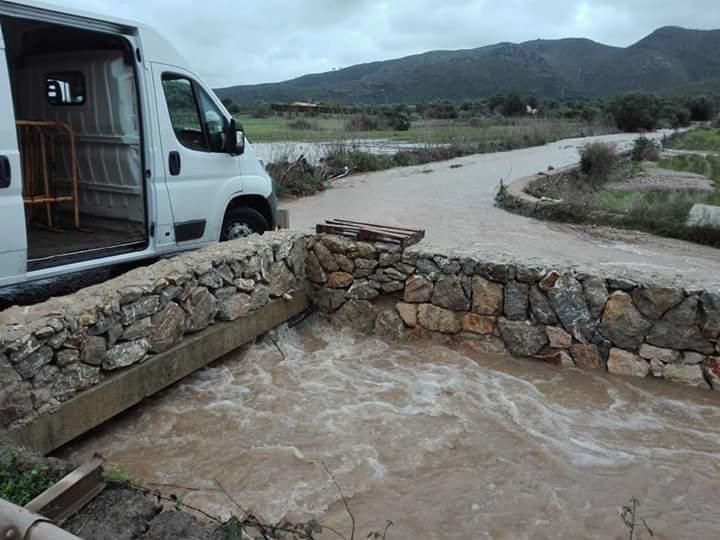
<point>69,364</point>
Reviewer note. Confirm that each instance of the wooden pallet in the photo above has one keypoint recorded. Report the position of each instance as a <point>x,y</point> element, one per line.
<point>369,232</point>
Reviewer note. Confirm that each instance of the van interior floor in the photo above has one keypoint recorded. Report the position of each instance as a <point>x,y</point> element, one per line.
<point>48,247</point>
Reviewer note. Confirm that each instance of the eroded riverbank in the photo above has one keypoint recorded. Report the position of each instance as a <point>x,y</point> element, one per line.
<point>445,443</point>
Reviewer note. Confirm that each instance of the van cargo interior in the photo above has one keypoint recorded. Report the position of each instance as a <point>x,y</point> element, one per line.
<point>79,132</point>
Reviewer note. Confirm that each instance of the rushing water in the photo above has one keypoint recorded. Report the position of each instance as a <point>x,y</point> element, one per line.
<point>445,443</point>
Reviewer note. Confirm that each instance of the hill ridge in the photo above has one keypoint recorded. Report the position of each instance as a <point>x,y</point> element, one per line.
<point>667,60</point>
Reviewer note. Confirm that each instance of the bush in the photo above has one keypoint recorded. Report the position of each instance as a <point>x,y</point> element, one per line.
<point>514,106</point>
<point>636,112</point>
<point>399,121</point>
<point>296,178</point>
<point>362,122</point>
<point>702,109</point>
<point>645,149</point>
<point>597,162</point>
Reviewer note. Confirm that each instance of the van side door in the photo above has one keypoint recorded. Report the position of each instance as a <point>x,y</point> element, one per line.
<point>13,237</point>
<point>200,174</point>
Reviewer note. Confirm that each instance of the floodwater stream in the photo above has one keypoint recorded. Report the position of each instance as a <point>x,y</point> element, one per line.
<point>445,442</point>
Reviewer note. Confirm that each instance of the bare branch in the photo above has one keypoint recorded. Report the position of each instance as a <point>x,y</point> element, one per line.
<point>277,346</point>
<point>230,497</point>
<point>344,499</point>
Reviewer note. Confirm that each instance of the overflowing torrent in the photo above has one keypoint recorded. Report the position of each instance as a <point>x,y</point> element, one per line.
<point>444,442</point>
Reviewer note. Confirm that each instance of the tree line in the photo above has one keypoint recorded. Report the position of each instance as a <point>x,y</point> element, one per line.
<point>629,112</point>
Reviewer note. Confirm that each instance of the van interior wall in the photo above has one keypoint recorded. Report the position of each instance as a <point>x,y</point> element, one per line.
<point>105,118</point>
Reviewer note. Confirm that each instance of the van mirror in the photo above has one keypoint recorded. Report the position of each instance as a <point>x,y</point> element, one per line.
<point>235,139</point>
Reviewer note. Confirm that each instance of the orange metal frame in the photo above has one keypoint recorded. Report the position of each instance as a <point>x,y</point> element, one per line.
<point>38,138</point>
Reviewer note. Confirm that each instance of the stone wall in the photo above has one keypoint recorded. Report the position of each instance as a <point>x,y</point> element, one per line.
<point>550,315</point>
<point>52,351</point>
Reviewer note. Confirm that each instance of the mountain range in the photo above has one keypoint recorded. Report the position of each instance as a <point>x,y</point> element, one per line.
<point>671,60</point>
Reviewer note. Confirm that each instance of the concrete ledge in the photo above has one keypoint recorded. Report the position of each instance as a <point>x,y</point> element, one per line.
<point>117,394</point>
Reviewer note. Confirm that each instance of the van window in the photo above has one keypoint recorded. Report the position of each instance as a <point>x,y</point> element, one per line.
<point>196,120</point>
<point>215,122</point>
<point>67,88</point>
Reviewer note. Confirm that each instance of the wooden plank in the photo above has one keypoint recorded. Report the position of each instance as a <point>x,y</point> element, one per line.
<point>65,498</point>
<point>358,234</point>
<point>396,235</point>
<point>375,225</point>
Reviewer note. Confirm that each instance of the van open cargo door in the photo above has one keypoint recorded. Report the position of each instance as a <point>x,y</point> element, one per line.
<point>13,239</point>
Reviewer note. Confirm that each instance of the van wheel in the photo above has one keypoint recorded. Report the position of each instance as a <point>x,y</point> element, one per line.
<point>241,222</point>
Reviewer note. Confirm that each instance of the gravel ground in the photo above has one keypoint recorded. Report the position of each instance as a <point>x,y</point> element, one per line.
<point>657,179</point>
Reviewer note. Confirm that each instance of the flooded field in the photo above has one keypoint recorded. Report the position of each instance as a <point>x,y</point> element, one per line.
<point>446,443</point>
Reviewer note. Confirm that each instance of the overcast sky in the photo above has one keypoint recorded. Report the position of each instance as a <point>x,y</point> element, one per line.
<point>251,41</point>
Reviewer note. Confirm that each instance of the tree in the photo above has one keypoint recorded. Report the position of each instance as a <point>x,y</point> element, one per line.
<point>636,112</point>
<point>702,109</point>
<point>514,105</point>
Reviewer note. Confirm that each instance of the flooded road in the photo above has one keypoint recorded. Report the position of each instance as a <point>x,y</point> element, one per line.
<point>454,202</point>
<point>445,443</point>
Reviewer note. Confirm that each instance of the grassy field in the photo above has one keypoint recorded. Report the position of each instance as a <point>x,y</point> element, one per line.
<point>332,128</point>
<point>707,140</point>
<point>665,213</point>
<point>708,166</point>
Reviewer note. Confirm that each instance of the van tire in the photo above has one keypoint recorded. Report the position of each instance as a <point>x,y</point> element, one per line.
<point>242,221</point>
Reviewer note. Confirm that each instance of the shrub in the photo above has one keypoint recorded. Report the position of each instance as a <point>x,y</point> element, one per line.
<point>362,122</point>
<point>645,149</point>
<point>399,121</point>
<point>296,178</point>
<point>597,162</point>
<point>514,106</point>
<point>636,112</point>
<point>702,109</point>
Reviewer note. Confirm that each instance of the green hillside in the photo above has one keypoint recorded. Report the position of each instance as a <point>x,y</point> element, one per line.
<point>670,60</point>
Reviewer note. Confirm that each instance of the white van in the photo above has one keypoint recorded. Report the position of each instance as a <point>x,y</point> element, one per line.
<point>112,149</point>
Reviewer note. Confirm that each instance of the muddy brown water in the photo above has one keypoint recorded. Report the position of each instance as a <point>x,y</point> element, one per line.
<point>443,441</point>
<point>454,201</point>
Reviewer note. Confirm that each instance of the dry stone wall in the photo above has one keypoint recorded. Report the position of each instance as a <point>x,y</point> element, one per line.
<point>52,351</point>
<point>560,317</point>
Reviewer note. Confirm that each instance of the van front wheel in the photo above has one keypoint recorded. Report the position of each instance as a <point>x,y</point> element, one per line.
<point>241,222</point>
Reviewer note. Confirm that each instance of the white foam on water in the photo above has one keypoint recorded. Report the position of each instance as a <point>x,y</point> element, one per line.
<point>386,415</point>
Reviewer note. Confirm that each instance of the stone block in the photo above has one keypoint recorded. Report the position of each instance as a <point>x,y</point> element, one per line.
<point>125,354</point>
<point>418,290</point>
<point>623,362</point>
<point>568,302</point>
<point>438,319</point>
<point>478,324</point>
<point>587,356</point>
<point>339,280</point>
<point>622,323</point>
<point>488,297</point>
<point>408,313</point>
<point>558,338</point>
<point>449,293</point>
<point>654,302</point>
<point>517,300</point>
<point>522,338</point>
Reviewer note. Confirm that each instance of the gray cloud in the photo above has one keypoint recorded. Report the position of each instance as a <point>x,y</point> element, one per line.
<point>251,41</point>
